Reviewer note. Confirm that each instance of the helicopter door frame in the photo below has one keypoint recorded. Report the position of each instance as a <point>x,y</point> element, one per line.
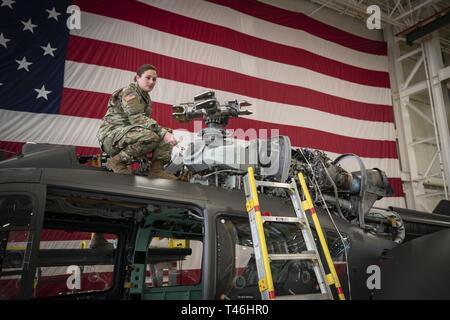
<point>143,255</point>
<point>37,194</point>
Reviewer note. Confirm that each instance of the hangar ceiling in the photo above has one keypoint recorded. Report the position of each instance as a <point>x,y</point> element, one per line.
<point>403,15</point>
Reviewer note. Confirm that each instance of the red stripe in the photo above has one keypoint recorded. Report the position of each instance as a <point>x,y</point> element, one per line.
<point>87,151</point>
<point>272,294</point>
<point>84,104</point>
<point>339,290</point>
<point>11,148</point>
<point>126,58</point>
<point>61,235</point>
<point>299,136</point>
<point>301,21</point>
<point>58,235</point>
<point>341,269</point>
<point>312,211</point>
<point>55,285</point>
<point>79,103</point>
<point>315,139</point>
<point>397,186</point>
<point>172,23</point>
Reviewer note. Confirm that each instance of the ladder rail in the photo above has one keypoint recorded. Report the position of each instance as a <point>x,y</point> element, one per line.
<point>262,257</point>
<point>265,282</point>
<point>308,205</point>
<point>309,241</point>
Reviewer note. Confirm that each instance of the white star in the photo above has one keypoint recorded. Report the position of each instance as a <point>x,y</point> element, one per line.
<point>7,3</point>
<point>28,25</point>
<point>48,50</point>
<point>53,14</point>
<point>3,40</point>
<point>42,93</point>
<point>23,64</point>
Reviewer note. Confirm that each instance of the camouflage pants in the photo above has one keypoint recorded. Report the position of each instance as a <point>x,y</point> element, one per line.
<point>137,142</point>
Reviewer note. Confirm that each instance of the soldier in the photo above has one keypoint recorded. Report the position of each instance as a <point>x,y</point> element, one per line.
<point>128,132</point>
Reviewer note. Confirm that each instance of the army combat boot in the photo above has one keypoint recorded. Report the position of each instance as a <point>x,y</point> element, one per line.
<point>98,241</point>
<point>157,171</point>
<point>117,166</point>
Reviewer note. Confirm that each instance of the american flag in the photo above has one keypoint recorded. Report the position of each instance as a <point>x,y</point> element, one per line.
<point>324,87</point>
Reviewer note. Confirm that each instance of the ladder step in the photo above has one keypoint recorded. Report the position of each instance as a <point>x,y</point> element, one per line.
<point>314,296</point>
<point>305,255</point>
<point>273,184</point>
<point>283,219</point>
<point>264,260</point>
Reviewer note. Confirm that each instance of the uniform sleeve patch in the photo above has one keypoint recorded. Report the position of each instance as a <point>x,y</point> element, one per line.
<point>129,97</point>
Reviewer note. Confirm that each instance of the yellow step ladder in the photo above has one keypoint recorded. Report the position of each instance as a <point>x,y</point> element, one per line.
<point>263,258</point>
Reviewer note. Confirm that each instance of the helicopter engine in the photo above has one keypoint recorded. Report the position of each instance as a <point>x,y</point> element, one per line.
<point>215,158</point>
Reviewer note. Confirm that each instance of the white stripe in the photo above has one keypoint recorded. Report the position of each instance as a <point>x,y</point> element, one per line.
<point>329,16</point>
<point>66,130</point>
<point>390,166</point>
<point>133,35</point>
<point>104,79</point>
<point>48,128</point>
<point>247,24</point>
<point>87,269</point>
<point>391,202</point>
<point>58,243</point>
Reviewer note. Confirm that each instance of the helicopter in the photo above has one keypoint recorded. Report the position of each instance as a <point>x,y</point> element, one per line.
<point>190,239</point>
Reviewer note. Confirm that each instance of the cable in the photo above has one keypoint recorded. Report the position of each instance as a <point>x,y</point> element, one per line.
<point>334,224</point>
<point>222,171</point>
<point>334,189</point>
<point>195,215</point>
<point>340,236</point>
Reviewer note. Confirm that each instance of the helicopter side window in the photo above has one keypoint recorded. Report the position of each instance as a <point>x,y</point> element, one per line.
<point>67,266</point>
<point>15,215</point>
<point>237,274</point>
<point>338,246</point>
<point>339,251</point>
<point>174,262</point>
<point>169,242</point>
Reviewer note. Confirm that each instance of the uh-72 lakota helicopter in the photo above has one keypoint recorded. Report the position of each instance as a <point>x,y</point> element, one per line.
<point>191,238</point>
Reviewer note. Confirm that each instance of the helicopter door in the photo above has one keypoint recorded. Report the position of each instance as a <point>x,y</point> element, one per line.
<point>168,254</point>
<point>21,213</point>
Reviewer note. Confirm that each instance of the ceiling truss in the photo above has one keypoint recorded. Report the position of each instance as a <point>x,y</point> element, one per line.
<point>400,14</point>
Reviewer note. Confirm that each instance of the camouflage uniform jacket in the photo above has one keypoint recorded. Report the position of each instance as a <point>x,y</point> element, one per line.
<point>128,107</point>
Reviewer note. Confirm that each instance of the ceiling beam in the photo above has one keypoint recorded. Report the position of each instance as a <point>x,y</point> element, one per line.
<point>413,9</point>
<point>341,5</point>
<point>420,29</point>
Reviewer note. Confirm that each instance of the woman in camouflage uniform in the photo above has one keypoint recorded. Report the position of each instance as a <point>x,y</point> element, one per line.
<point>128,132</point>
